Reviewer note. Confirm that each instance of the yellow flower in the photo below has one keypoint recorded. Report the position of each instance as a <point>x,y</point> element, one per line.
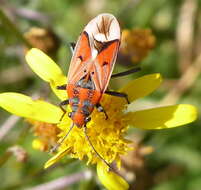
<point>43,39</point>
<point>107,136</point>
<point>46,133</point>
<point>137,43</point>
<point>111,180</point>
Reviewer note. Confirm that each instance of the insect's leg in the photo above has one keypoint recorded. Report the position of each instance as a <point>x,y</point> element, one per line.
<point>72,47</point>
<point>63,103</point>
<point>72,44</point>
<point>133,70</point>
<point>119,94</point>
<point>62,87</point>
<point>101,109</point>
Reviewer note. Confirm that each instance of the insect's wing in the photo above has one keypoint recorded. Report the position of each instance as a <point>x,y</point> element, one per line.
<point>104,63</point>
<point>81,55</point>
<point>96,51</point>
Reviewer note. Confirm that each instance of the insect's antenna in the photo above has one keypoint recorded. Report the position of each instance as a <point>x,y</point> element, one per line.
<point>62,140</point>
<point>88,139</point>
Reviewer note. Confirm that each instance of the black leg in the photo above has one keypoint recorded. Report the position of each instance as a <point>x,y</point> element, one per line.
<point>62,87</point>
<point>72,44</point>
<point>133,70</point>
<point>63,103</point>
<point>72,47</point>
<point>101,109</point>
<point>118,94</point>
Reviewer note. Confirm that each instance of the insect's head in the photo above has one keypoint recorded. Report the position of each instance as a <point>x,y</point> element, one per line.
<point>79,119</point>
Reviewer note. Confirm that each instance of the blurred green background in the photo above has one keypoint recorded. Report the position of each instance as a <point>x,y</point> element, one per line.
<point>175,163</point>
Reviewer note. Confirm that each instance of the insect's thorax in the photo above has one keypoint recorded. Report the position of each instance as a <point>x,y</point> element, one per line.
<point>82,98</point>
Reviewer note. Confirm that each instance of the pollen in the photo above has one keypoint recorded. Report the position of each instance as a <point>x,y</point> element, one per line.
<point>46,135</point>
<point>107,136</point>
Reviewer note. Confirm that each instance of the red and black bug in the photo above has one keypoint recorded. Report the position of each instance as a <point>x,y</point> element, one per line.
<point>90,70</point>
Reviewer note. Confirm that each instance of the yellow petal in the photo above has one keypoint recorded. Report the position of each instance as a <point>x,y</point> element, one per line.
<point>163,117</point>
<point>47,69</point>
<point>111,180</point>
<point>142,86</point>
<point>61,94</point>
<point>24,106</point>
<point>55,158</point>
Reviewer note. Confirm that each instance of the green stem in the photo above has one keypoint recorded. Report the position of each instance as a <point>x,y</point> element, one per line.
<point>4,158</point>
<point>37,174</point>
<point>7,22</point>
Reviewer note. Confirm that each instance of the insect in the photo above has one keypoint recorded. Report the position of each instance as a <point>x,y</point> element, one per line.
<point>91,67</point>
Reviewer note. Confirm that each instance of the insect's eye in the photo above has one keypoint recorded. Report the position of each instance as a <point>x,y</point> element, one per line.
<point>70,114</point>
<point>85,70</point>
<point>87,119</point>
<point>92,72</point>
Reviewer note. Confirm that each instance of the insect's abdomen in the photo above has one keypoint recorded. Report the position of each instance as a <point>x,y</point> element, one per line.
<point>82,102</point>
